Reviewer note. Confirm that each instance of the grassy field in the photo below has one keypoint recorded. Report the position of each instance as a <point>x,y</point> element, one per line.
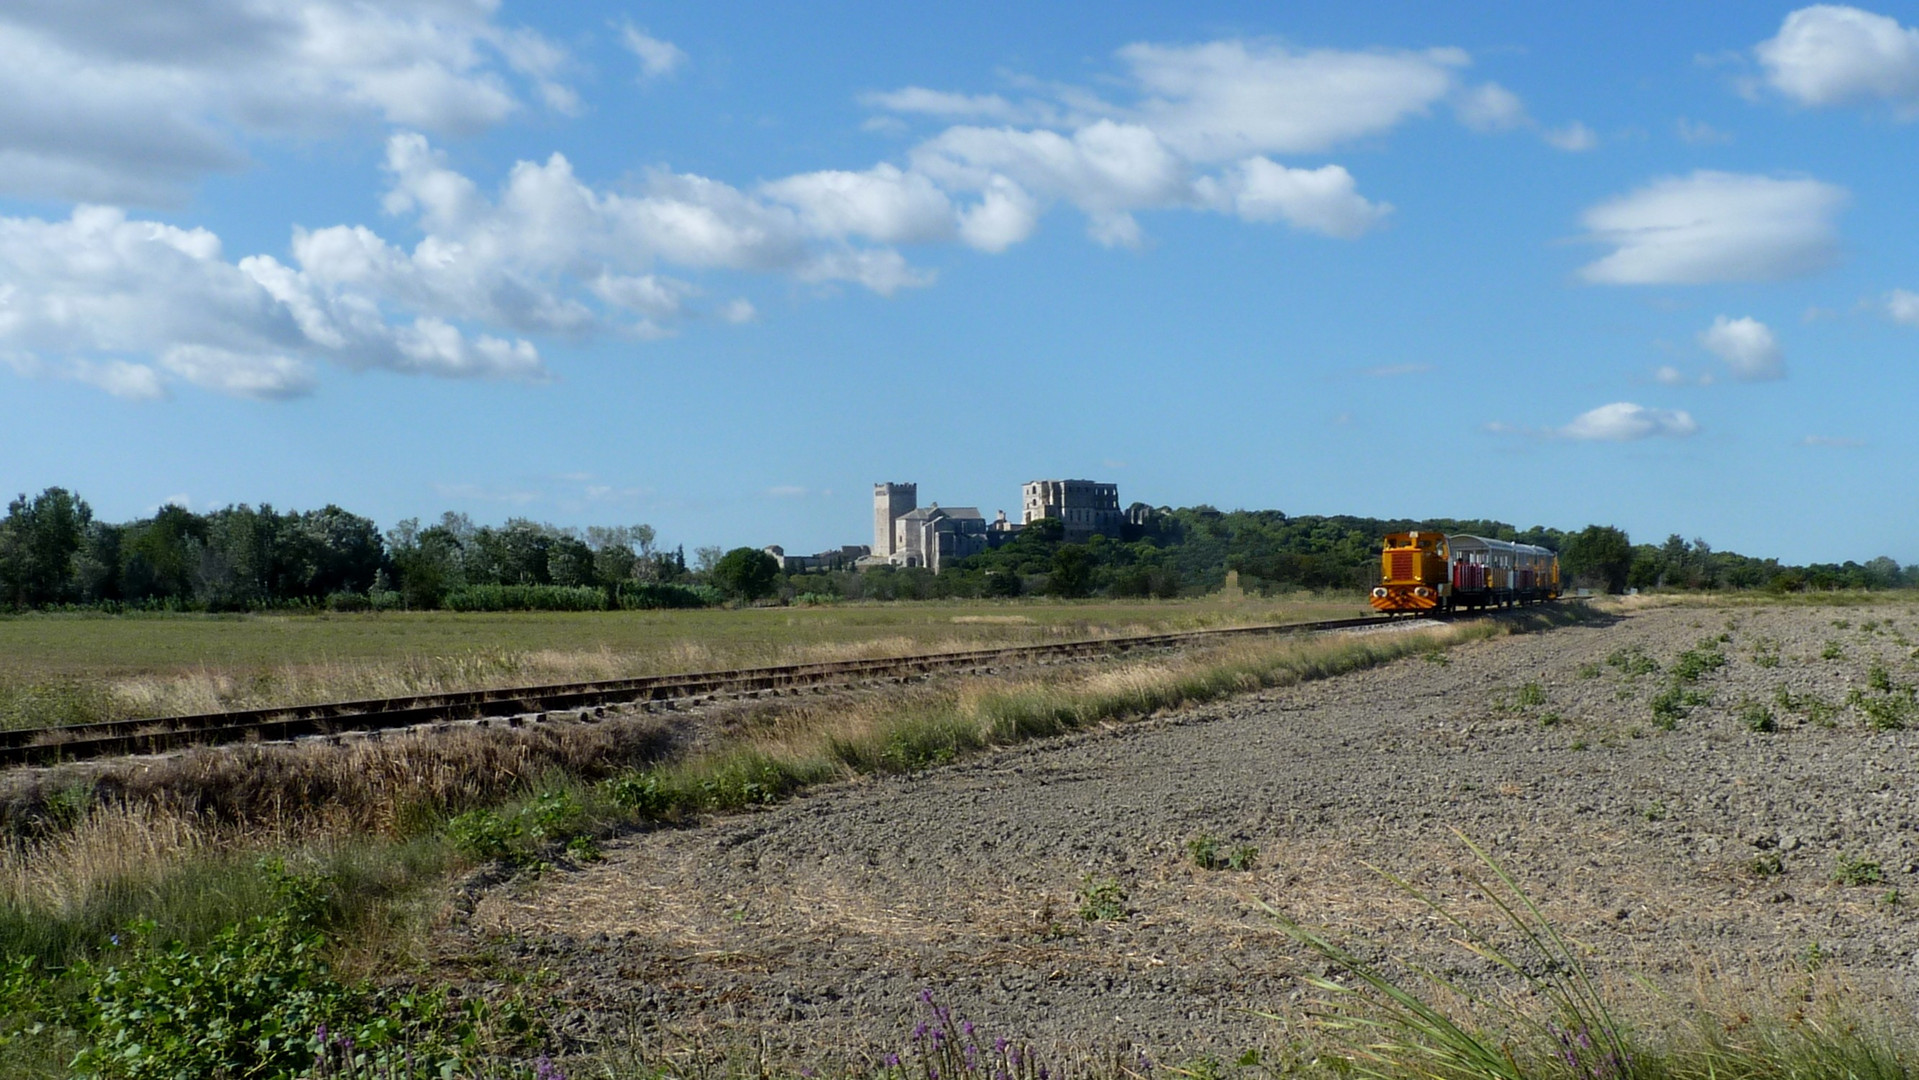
<point>57,669</point>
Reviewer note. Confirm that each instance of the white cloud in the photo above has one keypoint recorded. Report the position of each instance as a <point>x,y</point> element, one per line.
<point>1713,227</point>
<point>1903,307</point>
<point>1573,138</point>
<point>1747,346</point>
<point>658,59</point>
<point>739,310</point>
<point>882,204</point>
<point>267,378</point>
<point>1699,133</point>
<point>1830,54</point>
<point>1004,216</point>
<point>137,103</point>
<point>951,106</point>
<point>1324,200</point>
<point>1229,99</point>
<point>1623,421</point>
<point>1490,107</point>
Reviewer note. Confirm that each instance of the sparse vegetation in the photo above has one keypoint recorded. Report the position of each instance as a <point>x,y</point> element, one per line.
<point>1101,899</point>
<point>1858,870</point>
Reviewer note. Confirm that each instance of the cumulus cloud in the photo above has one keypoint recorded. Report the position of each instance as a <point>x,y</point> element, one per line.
<point>1623,421</point>
<point>1903,307</point>
<point>1713,227</point>
<point>135,103</point>
<point>1831,54</point>
<point>658,59</point>
<point>79,296</point>
<point>883,204</point>
<point>1324,200</point>
<point>1747,346</point>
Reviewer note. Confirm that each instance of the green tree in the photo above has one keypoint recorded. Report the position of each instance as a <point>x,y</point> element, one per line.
<point>38,541</point>
<point>1072,574</point>
<point>747,573</point>
<point>1599,554</point>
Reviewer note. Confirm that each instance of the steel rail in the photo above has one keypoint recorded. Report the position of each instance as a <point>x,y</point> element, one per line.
<point>50,745</point>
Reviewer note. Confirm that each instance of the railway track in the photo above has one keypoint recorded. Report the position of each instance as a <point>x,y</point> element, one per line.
<point>46,746</point>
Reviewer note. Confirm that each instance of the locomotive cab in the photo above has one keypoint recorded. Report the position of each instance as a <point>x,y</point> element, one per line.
<point>1413,573</point>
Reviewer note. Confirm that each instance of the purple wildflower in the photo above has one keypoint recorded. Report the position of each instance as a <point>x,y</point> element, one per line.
<point>892,1061</point>
<point>320,1033</point>
<point>919,1031</point>
<point>1043,1074</point>
<point>999,1045</point>
<point>926,996</point>
<point>932,1073</point>
<point>967,1027</point>
<point>1015,1057</point>
<point>544,1069</point>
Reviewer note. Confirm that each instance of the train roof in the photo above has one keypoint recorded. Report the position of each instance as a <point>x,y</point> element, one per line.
<point>1468,542</point>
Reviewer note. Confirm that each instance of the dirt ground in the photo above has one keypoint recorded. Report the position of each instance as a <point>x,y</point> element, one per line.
<point>1701,843</point>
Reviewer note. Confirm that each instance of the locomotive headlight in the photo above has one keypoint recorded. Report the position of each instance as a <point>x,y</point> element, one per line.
<point>1380,592</point>
<point>1422,591</point>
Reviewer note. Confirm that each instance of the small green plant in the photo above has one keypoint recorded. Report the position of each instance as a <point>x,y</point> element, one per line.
<point>1879,678</point>
<point>1812,957</point>
<point>1656,811</point>
<point>1101,899</point>
<point>1890,712</point>
<point>1892,899</point>
<point>1550,719</point>
<point>1588,671</point>
<point>1530,696</point>
<point>1858,870</point>
<point>1757,718</point>
<point>1436,657</point>
<point>1579,744</point>
<point>1767,864</point>
<point>1243,857</point>
<point>482,835</point>
<point>1841,624</point>
<point>1204,851</point>
<point>1632,662</point>
<point>1697,661</point>
<point>1832,651</point>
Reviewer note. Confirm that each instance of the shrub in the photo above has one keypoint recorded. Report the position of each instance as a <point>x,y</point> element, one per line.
<point>1632,662</point>
<point>1697,661</point>
<point>1243,857</point>
<point>525,598</point>
<point>651,595</point>
<point>1767,864</point>
<point>348,601</point>
<point>1757,718</point>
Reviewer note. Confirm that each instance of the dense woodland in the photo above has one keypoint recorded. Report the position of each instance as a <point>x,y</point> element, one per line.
<point>53,553</point>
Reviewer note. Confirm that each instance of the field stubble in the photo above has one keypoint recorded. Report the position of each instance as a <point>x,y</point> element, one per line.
<point>69,669</point>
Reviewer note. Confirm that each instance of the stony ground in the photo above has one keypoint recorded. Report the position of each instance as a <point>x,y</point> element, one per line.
<point>1681,828</point>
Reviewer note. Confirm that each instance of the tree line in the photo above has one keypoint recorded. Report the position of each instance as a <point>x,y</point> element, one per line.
<point>54,553</point>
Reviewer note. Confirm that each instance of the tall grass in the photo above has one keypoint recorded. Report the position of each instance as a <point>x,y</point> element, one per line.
<point>1554,1021</point>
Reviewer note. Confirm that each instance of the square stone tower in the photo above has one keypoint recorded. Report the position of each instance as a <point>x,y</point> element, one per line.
<point>890,502</point>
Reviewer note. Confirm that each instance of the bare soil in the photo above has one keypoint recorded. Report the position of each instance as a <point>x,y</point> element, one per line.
<point>1709,850</point>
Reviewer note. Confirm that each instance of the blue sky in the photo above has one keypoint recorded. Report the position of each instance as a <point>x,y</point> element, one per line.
<point>719,268</point>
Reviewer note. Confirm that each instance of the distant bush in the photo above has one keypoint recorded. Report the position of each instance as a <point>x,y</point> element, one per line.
<point>649,595</point>
<point>348,601</point>
<point>525,598</point>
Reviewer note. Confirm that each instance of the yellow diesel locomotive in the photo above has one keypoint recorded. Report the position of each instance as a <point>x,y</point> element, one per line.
<point>1430,572</point>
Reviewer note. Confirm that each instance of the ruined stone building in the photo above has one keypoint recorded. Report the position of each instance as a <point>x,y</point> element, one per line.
<point>1087,507</point>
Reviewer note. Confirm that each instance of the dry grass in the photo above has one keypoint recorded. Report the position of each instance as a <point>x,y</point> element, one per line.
<point>75,669</point>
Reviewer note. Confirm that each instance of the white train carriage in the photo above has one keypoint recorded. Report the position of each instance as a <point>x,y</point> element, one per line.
<point>1498,573</point>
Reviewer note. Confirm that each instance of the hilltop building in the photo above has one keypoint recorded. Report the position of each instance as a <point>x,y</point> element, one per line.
<point>1087,508</point>
<point>906,534</point>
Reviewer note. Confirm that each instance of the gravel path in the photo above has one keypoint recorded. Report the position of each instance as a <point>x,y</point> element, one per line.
<point>822,919</point>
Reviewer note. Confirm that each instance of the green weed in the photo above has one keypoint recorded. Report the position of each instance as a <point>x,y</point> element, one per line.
<point>1101,899</point>
<point>1857,870</point>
